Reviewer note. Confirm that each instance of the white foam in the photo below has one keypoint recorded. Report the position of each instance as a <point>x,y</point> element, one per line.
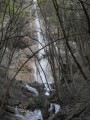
<point>56,107</point>
<point>32,89</point>
<point>35,115</point>
<point>17,114</point>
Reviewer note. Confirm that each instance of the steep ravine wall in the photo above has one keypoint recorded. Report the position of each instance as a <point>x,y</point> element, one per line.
<point>22,51</point>
<point>28,73</point>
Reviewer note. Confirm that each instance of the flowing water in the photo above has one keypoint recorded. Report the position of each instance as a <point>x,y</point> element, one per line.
<point>32,89</point>
<point>43,62</point>
<point>36,115</point>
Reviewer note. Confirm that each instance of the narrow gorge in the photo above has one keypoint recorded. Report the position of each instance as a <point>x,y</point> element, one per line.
<point>44,60</point>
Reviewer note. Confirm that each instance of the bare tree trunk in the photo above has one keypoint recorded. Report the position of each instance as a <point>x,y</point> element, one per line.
<point>66,40</point>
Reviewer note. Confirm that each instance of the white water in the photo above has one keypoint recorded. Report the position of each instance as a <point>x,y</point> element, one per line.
<point>35,115</point>
<point>18,115</point>
<point>32,89</point>
<point>56,106</point>
<point>43,62</point>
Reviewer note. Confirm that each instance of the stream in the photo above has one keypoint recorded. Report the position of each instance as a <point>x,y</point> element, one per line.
<point>36,114</point>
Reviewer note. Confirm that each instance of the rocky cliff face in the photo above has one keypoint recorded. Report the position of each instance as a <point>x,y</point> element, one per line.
<point>21,46</point>
<point>18,48</point>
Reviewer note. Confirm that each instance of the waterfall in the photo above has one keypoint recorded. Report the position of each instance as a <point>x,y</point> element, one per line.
<point>43,62</point>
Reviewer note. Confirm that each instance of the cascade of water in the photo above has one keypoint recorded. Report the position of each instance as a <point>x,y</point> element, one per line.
<point>56,106</point>
<point>43,62</point>
<point>35,115</point>
<point>32,89</point>
<point>17,114</point>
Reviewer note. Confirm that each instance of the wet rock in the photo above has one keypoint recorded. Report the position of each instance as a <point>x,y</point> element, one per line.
<point>20,94</point>
<point>39,87</point>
